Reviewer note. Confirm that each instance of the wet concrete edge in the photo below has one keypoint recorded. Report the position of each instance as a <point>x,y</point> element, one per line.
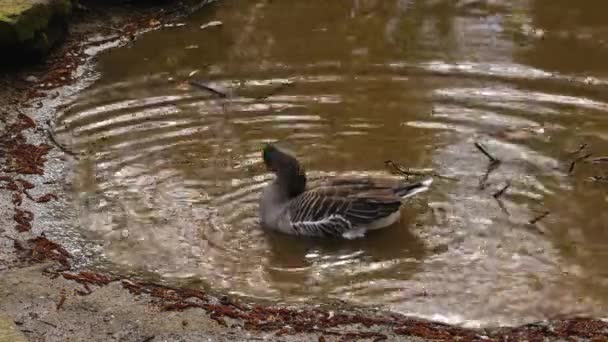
<point>49,299</point>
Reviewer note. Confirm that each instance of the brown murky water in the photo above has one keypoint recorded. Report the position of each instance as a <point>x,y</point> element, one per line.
<point>172,174</point>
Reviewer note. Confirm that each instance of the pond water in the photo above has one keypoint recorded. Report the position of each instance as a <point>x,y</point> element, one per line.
<point>170,176</point>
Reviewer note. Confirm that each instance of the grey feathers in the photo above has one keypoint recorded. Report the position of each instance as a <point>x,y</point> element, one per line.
<point>339,206</point>
<point>343,204</point>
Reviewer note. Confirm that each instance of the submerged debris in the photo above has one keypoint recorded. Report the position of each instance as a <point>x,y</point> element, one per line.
<point>500,192</point>
<point>483,150</point>
<point>602,179</point>
<point>203,86</point>
<point>483,181</point>
<point>58,145</point>
<point>599,160</point>
<point>573,163</point>
<point>539,217</point>
<point>275,91</point>
<point>409,172</point>
<point>497,196</point>
<point>580,149</point>
<point>494,163</point>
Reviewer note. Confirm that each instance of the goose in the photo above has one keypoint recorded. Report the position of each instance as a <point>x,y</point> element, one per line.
<point>341,206</point>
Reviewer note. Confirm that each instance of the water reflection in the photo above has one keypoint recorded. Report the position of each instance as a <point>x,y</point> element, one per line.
<point>171,177</point>
<point>574,39</point>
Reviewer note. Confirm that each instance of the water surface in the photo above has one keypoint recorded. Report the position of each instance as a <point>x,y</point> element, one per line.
<point>171,173</point>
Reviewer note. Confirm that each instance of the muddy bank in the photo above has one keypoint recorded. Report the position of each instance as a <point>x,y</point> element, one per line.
<point>49,298</point>
<point>47,303</point>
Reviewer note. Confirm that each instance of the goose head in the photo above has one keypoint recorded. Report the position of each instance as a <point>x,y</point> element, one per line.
<point>291,176</point>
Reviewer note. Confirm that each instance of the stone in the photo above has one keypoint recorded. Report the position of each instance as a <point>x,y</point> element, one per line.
<point>31,26</point>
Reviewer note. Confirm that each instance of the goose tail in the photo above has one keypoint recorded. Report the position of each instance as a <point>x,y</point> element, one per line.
<point>410,190</point>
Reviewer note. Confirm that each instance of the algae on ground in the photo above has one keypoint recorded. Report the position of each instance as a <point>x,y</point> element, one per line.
<point>8,330</point>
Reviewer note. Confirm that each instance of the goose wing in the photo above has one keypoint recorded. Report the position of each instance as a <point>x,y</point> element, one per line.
<point>378,188</point>
<point>334,210</point>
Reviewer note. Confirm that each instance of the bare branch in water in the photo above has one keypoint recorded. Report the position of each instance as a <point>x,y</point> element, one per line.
<point>275,90</point>
<point>598,179</point>
<point>484,179</point>
<point>51,136</point>
<point>599,160</point>
<point>539,217</point>
<point>483,150</point>
<point>203,86</point>
<point>579,149</point>
<point>573,163</point>
<point>409,172</point>
<point>497,196</point>
<point>500,192</point>
<point>502,206</point>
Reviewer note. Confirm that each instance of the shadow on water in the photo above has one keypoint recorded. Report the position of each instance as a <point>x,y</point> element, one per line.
<point>170,175</point>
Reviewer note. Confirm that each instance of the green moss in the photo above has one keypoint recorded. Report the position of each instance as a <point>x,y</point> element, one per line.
<point>24,22</point>
<point>8,330</point>
<point>11,9</point>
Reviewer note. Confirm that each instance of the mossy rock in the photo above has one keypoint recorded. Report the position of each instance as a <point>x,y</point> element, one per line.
<point>31,26</point>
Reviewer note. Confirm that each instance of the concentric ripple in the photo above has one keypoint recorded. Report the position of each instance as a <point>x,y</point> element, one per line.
<point>169,174</point>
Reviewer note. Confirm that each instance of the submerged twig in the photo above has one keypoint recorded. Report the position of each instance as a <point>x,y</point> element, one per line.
<point>598,179</point>
<point>203,86</point>
<point>275,90</point>
<point>573,163</point>
<point>539,217</point>
<point>483,150</point>
<point>579,149</point>
<point>598,160</point>
<point>484,179</point>
<point>494,163</point>
<point>500,192</point>
<point>58,145</point>
<point>408,172</point>
<point>502,207</point>
<point>403,170</point>
<point>497,196</point>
